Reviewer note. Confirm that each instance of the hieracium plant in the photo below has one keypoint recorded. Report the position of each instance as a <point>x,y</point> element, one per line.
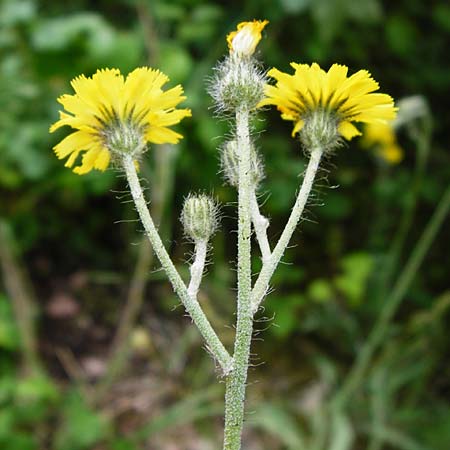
<point>117,119</point>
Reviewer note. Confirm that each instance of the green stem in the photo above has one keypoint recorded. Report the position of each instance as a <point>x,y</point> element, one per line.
<point>236,381</point>
<point>260,224</point>
<point>393,301</point>
<point>197,267</point>
<point>393,257</point>
<point>161,190</point>
<point>191,304</point>
<point>262,283</point>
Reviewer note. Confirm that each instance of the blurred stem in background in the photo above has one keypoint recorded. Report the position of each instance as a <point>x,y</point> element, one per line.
<point>393,300</point>
<point>420,132</point>
<point>20,292</point>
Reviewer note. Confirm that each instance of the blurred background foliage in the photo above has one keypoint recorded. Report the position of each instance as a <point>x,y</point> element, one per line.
<point>71,272</point>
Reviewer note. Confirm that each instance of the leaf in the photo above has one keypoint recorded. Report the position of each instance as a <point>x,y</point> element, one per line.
<point>82,428</point>
<point>175,60</point>
<point>13,12</point>
<point>36,388</point>
<point>398,439</point>
<point>342,434</point>
<point>336,207</point>
<point>59,33</point>
<point>193,407</point>
<point>9,334</point>
<point>356,270</point>
<point>278,422</point>
<point>320,290</point>
<point>284,309</point>
<point>295,6</point>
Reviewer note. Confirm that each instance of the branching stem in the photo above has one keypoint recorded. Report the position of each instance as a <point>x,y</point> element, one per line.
<point>236,381</point>
<point>260,224</point>
<point>191,304</point>
<point>197,268</point>
<point>262,283</point>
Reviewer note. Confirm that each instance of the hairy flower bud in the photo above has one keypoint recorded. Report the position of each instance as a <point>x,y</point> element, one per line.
<point>229,160</point>
<point>199,217</point>
<point>238,83</point>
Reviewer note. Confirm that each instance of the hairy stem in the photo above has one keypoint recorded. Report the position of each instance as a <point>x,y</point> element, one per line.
<point>161,190</point>
<point>260,224</point>
<point>262,283</point>
<point>197,268</point>
<point>213,342</point>
<point>393,301</point>
<point>236,381</point>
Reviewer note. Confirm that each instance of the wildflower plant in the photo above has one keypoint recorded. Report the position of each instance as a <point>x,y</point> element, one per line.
<point>115,118</point>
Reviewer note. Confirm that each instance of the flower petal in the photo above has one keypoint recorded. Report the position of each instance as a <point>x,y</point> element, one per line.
<point>348,130</point>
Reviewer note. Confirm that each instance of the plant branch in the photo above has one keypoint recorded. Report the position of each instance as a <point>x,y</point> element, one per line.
<point>260,224</point>
<point>262,283</point>
<point>161,190</point>
<point>236,381</point>
<point>197,268</point>
<point>191,304</point>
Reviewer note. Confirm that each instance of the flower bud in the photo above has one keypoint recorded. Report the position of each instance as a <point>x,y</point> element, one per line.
<point>238,83</point>
<point>199,217</point>
<point>410,109</point>
<point>229,161</point>
<point>244,40</point>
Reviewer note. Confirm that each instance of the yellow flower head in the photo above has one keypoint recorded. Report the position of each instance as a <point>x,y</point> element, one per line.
<point>244,40</point>
<point>113,115</point>
<point>382,137</point>
<point>316,100</point>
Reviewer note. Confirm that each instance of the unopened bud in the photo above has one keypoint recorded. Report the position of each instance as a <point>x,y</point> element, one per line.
<point>199,217</point>
<point>244,40</point>
<point>238,83</point>
<point>230,164</point>
<point>410,109</point>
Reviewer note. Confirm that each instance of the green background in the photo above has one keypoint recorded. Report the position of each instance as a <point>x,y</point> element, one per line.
<point>69,253</point>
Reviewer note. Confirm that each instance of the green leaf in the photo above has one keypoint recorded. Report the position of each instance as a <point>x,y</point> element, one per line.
<point>295,6</point>
<point>320,290</point>
<point>176,62</point>
<point>13,12</point>
<point>19,441</point>
<point>337,206</point>
<point>277,421</point>
<point>342,434</point>
<point>402,35</point>
<point>9,334</point>
<point>356,268</point>
<point>59,33</point>
<point>82,428</point>
<point>187,410</point>
<point>284,308</point>
<point>36,388</point>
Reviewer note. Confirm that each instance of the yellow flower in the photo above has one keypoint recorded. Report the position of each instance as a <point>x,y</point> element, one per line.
<point>244,40</point>
<point>382,137</point>
<point>327,102</point>
<point>113,115</point>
